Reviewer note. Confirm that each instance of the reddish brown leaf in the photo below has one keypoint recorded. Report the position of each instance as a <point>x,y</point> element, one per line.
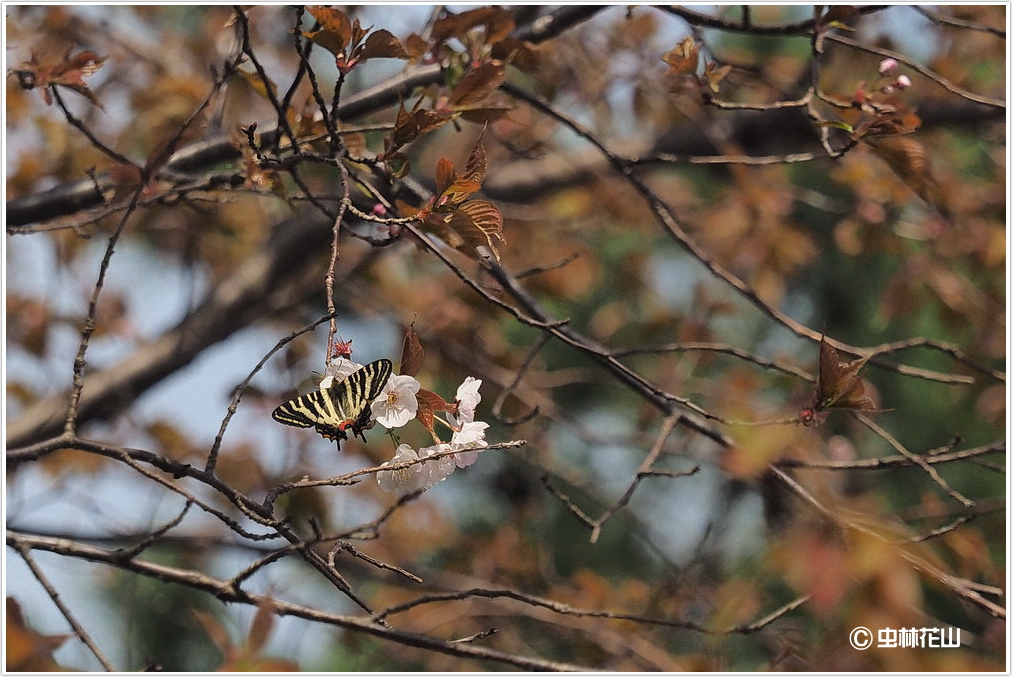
<point>411,352</point>
<point>498,26</point>
<point>458,191</point>
<point>476,84</point>
<point>416,47</point>
<point>410,125</point>
<point>516,53</point>
<point>260,629</point>
<point>445,176</point>
<point>382,44</point>
<point>428,404</point>
<point>335,24</point>
<point>477,164</point>
<point>28,650</point>
<point>836,16</point>
<point>490,110</point>
<point>456,25</point>
<point>486,218</point>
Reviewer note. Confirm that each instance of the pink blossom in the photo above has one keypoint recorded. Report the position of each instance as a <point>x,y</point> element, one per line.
<point>887,66</point>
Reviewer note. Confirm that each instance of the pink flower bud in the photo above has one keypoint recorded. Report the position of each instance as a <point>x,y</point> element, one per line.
<point>902,82</point>
<point>379,209</point>
<point>887,66</point>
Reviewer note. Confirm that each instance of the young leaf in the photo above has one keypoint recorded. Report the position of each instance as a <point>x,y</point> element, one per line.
<point>335,29</point>
<point>428,404</point>
<point>713,75</point>
<point>476,84</point>
<point>684,58</point>
<point>382,45</point>
<point>477,164</point>
<point>487,218</point>
<point>445,176</point>
<point>455,25</point>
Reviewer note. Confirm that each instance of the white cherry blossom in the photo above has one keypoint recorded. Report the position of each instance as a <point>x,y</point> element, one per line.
<point>396,404</point>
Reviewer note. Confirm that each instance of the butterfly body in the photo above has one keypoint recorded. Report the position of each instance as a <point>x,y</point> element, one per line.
<point>342,406</point>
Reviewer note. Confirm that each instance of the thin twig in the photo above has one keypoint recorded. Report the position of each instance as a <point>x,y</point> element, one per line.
<point>82,634</point>
<point>917,460</point>
<point>221,590</point>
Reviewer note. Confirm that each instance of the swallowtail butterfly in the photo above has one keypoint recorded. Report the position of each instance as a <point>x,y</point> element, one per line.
<point>341,406</point>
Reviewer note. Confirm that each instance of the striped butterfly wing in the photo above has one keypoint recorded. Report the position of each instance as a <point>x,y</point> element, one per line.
<point>343,405</point>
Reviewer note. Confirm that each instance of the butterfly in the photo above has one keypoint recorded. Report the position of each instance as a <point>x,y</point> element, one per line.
<point>839,386</point>
<point>342,405</point>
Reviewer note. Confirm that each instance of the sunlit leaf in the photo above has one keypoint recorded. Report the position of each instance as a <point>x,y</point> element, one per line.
<point>445,176</point>
<point>335,29</point>
<point>477,164</point>
<point>487,218</point>
<point>713,75</point>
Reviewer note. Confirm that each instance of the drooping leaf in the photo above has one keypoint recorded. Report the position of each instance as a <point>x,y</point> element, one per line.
<point>498,26</point>
<point>428,404</point>
<point>411,352</point>
<point>260,629</point>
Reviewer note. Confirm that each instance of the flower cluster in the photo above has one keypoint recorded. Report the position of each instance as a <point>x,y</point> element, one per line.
<point>886,68</point>
<point>397,404</point>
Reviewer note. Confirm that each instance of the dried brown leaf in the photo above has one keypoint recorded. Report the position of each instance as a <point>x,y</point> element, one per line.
<point>411,352</point>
